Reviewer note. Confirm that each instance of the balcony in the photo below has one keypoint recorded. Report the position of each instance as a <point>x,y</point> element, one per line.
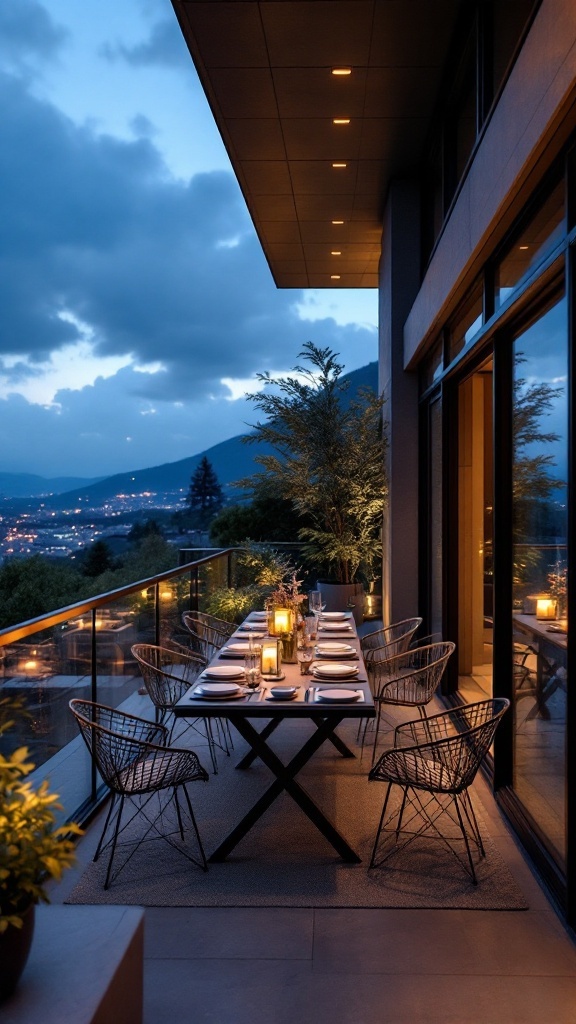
<point>228,965</point>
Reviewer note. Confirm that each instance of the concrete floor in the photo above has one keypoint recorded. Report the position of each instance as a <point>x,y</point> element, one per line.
<point>302,966</point>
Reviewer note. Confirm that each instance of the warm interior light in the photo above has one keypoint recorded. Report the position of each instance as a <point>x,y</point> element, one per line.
<point>523,246</point>
<point>339,163</point>
<point>545,608</point>
<point>335,252</point>
<point>270,658</point>
<point>30,664</point>
<point>341,71</point>
<point>334,277</point>
<point>282,620</point>
<point>340,120</point>
<point>166,595</point>
<point>337,221</point>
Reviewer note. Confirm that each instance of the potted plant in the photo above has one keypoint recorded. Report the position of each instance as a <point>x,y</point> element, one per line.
<point>32,850</point>
<point>328,459</point>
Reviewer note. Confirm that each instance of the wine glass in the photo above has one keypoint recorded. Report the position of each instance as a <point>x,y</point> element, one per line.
<point>315,605</point>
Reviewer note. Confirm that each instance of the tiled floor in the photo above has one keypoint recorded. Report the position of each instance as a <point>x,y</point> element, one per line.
<point>305,966</point>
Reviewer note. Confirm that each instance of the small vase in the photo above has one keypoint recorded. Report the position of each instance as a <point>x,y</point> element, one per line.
<point>14,949</point>
<point>289,647</point>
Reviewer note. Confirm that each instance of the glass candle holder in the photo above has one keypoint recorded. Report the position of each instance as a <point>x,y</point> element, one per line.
<point>271,659</point>
<point>252,667</point>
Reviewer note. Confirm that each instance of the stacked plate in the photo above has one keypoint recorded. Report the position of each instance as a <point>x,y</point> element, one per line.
<point>335,627</point>
<point>332,649</point>
<point>337,696</point>
<point>223,673</point>
<point>333,616</point>
<point>333,670</point>
<point>235,650</point>
<point>219,691</point>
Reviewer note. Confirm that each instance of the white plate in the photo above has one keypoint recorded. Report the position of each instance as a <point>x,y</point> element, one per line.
<point>218,689</point>
<point>249,627</point>
<point>335,627</point>
<point>333,615</point>
<point>290,694</point>
<point>330,696</point>
<point>259,615</point>
<point>224,672</point>
<point>331,670</point>
<point>330,647</point>
<point>235,649</point>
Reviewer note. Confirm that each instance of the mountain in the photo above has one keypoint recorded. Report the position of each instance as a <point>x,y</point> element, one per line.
<point>28,485</point>
<point>232,460</point>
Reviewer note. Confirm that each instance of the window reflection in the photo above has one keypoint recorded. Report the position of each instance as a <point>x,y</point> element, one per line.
<point>534,241</point>
<point>466,323</point>
<point>539,568</point>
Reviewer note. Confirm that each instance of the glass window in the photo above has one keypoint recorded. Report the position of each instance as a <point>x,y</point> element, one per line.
<point>533,242</point>
<point>432,366</point>
<point>539,475</point>
<point>436,529</point>
<point>466,323</point>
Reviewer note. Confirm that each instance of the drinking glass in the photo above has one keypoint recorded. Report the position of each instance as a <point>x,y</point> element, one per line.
<point>252,667</point>
<point>315,601</point>
<point>305,655</point>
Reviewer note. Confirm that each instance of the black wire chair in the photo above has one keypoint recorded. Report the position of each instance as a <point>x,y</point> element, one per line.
<point>168,672</point>
<point>206,639</point>
<point>395,637</point>
<point>434,772</point>
<point>409,680</point>
<point>131,755</point>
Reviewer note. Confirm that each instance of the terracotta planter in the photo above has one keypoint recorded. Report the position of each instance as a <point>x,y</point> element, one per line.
<point>338,595</point>
<point>14,949</point>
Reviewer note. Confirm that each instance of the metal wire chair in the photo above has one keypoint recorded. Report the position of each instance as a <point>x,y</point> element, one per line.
<point>207,640</point>
<point>132,757</point>
<point>442,760</point>
<point>408,679</point>
<point>168,672</point>
<point>222,625</point>
<point>396,637</point>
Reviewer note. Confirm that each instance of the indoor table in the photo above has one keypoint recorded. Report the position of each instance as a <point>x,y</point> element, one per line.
<point>244,711</point>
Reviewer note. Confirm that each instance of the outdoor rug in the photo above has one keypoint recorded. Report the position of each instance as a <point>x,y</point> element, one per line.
<point>285,862</point>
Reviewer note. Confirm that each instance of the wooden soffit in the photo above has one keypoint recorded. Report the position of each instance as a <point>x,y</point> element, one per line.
<point>267,68</point>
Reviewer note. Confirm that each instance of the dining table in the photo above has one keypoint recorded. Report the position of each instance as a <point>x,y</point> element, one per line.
<point>326,697</point>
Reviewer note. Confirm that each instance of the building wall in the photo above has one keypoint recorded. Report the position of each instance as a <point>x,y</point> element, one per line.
<point>526,131</point>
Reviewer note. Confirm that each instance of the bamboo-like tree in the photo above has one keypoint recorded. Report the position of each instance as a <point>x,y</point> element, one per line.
<point>328,461</point>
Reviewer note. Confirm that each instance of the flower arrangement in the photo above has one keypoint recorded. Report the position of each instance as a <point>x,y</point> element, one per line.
<point>558,584</point>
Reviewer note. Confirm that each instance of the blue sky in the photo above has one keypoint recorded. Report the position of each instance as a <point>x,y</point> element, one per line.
<point>137,305</point>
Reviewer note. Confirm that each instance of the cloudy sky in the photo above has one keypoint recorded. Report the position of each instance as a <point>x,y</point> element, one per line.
<point>136,303</point>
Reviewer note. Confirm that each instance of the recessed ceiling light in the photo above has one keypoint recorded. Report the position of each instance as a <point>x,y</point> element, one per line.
<point>341,71</point>
<point>339,163</point>
<point>340,120</point>
<point>524,247</point>
<point>334,277</point>
<point>336,252</point>
<point>337,221</point>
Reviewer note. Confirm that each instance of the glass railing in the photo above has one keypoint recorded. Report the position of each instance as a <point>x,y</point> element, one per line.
<point>84,650</point>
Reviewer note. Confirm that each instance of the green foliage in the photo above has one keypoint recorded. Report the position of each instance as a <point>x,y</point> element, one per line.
<point>205,497</point>
<point>33,586</point>
<point>32,849</point>
<point>259,571</point>
<point>533,484</point>
<point>143,529</point>
<point>152,556</point>
<point>98,559</point>
<point>328,463</point>
<point>267,517</point>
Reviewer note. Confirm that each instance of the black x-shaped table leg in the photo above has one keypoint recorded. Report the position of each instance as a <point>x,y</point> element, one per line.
<point>273,724</point>
<point>286,780</point>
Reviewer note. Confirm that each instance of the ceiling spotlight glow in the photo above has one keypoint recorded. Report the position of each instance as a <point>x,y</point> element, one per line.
<point>340,120</point>
<point>339,163</point>
<point>336,252</point>
<point>341,71</point>
<point>334,277</point>
<point>337,221</point>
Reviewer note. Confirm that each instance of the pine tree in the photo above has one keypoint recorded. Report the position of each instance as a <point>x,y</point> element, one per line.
<point>205,497</point>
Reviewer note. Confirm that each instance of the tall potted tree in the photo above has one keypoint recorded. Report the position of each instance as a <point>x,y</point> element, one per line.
<point>328,459</point>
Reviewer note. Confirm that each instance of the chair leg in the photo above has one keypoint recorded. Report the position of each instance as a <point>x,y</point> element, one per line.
<point>401,812</point>
<point>113,802</point>
<point>114,840</point>
<point>376,731</point>
<point>195,826</point>
<point>379,829</point>
<point>466,840</point>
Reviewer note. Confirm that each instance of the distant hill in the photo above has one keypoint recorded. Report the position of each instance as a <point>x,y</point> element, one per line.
<point>232,460</point>
<point>27,485</point>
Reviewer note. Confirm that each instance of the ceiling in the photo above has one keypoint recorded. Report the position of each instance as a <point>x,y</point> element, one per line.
<point>267,72</point>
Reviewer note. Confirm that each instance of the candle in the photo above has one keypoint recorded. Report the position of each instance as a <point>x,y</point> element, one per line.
<point>269,658</point>
<point>282,620</point>
<point>545,608</point>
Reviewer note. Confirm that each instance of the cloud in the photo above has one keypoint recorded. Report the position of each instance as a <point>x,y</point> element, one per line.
<point>98,237</point>
<point>164,47</point>
<point>27,33</point>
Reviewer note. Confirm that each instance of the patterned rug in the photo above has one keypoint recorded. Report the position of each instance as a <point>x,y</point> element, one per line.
<point>285,862</point>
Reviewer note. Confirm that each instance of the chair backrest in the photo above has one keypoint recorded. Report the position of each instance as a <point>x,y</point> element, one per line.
<point>114,738</point>
<point>396,637</point>
<point>222,625</point>
<point>460,738</point>
<point>208,640</point>
<point>411,677</point>
<point>167,671</point>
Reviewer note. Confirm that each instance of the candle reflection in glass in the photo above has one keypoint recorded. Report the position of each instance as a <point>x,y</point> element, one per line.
<point>545,608</point>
